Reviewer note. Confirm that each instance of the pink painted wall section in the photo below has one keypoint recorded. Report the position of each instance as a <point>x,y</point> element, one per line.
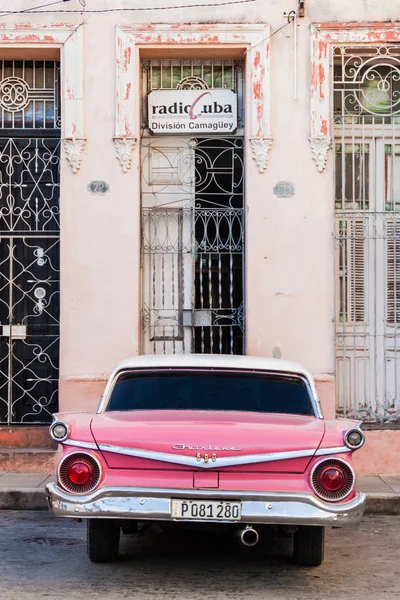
<point>380,455</point>
<point>326,394</point>
<point>80,395</point>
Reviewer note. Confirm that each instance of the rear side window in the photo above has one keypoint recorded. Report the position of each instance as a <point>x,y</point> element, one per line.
<point>211,390</point>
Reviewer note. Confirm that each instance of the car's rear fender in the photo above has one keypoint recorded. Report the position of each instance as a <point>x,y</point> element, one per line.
<point>79,426</point>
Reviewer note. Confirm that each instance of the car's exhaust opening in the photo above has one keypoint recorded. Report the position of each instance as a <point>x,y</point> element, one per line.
<point>247,536</point>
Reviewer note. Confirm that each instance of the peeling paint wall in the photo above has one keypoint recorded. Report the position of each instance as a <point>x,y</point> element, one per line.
<point>356,10</point>
<point>290,248</point>
<point>289,285</point>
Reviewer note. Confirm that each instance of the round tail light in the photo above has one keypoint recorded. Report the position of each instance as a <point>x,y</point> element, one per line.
<point>332,479</point>
<point>79,473</point>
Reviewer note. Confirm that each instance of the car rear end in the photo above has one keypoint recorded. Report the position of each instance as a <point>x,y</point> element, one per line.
<point>241,447</point>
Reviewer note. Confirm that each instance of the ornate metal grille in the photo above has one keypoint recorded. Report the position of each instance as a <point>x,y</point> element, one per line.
<point>29,242</point>
<point>192,74</point>
<point>29,94</point>
<point>193,245</point>
<point>367,201</point>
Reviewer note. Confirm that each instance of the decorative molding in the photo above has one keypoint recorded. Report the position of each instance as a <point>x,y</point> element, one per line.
<point>323,37</point>
<point>69,38</point>
<point>124,149</point>
<point>73,153</point>
<point>259,150</point>
<point>319,149</point>
<point>253,38</point>
<point>72,101</point>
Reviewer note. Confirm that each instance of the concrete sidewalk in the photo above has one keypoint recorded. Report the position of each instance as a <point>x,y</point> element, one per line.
<point>25,491</point>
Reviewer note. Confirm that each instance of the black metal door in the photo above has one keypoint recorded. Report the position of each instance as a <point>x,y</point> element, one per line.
<point>29,279</point>
<point>193,245</point>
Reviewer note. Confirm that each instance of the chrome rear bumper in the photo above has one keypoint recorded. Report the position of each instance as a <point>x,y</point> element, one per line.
<point>155,504</point>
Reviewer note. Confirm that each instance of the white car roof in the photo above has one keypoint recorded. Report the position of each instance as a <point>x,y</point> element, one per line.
<point>217,361</point>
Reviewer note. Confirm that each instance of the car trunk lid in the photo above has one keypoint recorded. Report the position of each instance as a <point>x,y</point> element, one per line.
<point>221,440</point>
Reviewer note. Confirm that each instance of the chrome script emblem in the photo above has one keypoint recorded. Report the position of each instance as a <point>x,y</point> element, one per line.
<point>185,447</point>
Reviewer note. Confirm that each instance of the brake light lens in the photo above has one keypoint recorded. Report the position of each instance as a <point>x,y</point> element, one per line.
<point>79,472</point>
<point>332,479</point>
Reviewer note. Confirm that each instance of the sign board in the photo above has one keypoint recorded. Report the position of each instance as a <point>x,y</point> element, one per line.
<point>192,111</point>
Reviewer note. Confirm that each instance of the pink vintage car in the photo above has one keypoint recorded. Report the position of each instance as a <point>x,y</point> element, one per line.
<point>233,441</point>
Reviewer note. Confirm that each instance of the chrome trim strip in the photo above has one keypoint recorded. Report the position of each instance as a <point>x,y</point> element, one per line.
<point>78,444</point>
<point>191,461</point>
<point>337,450</point>
<point>155,504</point>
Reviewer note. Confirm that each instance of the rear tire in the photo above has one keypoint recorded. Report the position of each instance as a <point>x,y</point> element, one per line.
<point>308,545</point>
<point>103,540</point>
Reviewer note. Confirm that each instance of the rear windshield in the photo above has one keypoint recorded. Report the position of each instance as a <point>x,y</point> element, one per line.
<point>174,390</point>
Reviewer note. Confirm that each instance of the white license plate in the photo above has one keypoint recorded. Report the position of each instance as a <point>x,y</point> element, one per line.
<point>217,510</point>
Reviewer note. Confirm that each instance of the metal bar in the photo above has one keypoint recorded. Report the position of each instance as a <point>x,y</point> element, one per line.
<point>294,56</point>
<point>10,342</point>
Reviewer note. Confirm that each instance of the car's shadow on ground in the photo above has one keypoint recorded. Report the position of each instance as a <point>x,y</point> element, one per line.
<point>195,547</point>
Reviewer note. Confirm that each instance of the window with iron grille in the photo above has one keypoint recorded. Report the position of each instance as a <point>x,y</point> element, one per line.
<point>366,94</point>
<point>29,94</point>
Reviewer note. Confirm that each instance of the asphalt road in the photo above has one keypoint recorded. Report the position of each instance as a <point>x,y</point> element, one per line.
<point>41,557</point>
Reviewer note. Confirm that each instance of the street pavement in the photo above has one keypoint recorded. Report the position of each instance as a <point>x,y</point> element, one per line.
<point>43,557</point>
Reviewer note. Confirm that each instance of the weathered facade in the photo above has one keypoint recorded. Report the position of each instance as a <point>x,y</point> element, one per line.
<point>277,236</point>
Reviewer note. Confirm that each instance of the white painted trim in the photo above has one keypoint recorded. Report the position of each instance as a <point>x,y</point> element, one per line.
<point>124,149</point>
<point>323,36</point>
<point>253,38</point>
<point>73,152</point>
<point>259,149</point>
<point>69,38</point>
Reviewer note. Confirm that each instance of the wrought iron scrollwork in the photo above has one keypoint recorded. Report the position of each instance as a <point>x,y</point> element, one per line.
<point>29,279</point>
<point>14,94</point>
<point>29,185</point>
<point>367,80</point>
<point>193,245</point>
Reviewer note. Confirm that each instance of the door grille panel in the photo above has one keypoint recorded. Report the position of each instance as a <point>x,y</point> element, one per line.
<point>29,240</point>
<point>193,245</point>
<point>367,234</point>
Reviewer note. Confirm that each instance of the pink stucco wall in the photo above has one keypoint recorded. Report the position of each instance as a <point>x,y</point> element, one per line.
<point>290,254</point>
